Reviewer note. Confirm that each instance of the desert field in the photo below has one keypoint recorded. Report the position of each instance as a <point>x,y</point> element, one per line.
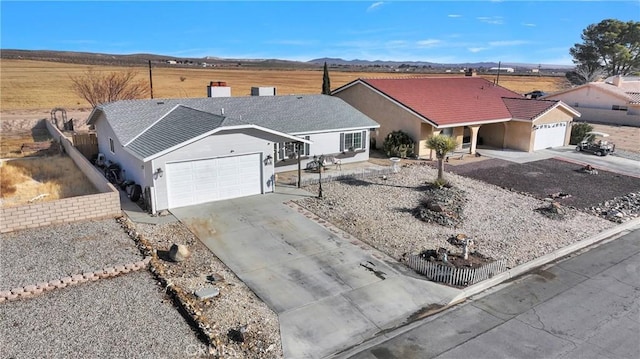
<point>41,85</point>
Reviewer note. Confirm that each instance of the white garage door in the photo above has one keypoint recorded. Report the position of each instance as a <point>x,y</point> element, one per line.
<point>549,135</point>
<point>213,179</point>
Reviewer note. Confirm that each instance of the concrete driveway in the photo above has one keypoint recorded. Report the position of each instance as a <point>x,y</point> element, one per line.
<point>330,291</point>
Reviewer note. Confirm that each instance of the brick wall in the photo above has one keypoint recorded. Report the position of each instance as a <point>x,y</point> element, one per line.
<point>102,205</point>
<point>64,210</point>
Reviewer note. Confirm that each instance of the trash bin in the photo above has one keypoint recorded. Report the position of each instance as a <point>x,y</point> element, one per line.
<point>395,164</point>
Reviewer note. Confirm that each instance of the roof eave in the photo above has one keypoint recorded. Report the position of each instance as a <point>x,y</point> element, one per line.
<point>221,129</point>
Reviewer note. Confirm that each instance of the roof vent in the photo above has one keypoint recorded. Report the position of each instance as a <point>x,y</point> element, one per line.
<point>160,102</point>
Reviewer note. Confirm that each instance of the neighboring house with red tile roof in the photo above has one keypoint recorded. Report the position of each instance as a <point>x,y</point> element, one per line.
<point>614,101</point>
<point>471,109</point>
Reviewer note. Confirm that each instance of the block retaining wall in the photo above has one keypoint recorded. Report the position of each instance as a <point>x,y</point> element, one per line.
<point>72,209</point>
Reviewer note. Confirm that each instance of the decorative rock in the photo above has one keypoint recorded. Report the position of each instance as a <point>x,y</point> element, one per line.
<point>17,291</point>
<point>5,293</point>
<point>29,288</point>
<point>67,280</point>
<point>179,252</point>
<point>163,213</point>
<point>44,286</point>
<point>208,292</point>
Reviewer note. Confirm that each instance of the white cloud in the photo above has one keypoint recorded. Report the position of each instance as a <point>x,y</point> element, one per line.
<point>454,15</point>
<point>375,5</point>
<point>428,43</point>
<point>529,24</point>
<point>493,20</point>
<point>477,49</point>
<point>507,43</point>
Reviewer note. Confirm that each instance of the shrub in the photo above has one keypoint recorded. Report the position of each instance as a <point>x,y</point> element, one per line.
<point>578,132</point>
<point>398,144</point>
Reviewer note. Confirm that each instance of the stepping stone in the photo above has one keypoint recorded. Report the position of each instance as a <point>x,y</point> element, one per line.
<point>206,293</point>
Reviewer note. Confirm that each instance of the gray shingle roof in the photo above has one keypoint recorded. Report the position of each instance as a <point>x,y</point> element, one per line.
<point>289,114</point>
<point>178,126</point>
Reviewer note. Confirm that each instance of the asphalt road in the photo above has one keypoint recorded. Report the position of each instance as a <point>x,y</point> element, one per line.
<point>585,306</point>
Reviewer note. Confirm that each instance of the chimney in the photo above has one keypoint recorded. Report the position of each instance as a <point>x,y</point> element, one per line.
<point>617,81</point>
<point>471,72</point>
<point>218,89</point>
<point>263,91</point>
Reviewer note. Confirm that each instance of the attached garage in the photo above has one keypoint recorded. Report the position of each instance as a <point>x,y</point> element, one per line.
<point>213,179</point>
<point>549,135</point>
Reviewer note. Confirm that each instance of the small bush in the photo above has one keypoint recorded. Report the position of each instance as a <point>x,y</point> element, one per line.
<point>578,132</point>
<point>398,144</point>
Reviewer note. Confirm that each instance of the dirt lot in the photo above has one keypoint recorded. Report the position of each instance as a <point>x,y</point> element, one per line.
<point>542,178</point>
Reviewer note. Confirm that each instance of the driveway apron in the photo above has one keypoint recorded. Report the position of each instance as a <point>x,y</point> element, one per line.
<point>329,292</point>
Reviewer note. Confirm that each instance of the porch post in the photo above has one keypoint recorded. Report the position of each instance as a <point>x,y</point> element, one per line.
<point>299,164</point>
<point>474,139</point>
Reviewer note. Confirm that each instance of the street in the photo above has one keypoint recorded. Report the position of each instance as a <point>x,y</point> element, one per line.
<point>585,306</point>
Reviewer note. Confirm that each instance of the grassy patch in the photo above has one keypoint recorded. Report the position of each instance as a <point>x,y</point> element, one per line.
<point>46,178</point>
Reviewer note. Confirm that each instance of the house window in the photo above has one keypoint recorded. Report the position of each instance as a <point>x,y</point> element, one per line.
<point>111,146</point>
<point>352,141</point>
<point>619,108</point>
<point>286,150</point>
<point>447,132</point>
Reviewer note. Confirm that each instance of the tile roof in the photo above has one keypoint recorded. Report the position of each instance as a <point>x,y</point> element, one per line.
<point>288,114</point>
<point>448,100</point>
<point>528,109</point>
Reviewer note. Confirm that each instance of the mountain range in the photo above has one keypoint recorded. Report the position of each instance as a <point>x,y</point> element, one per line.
<point>132,59</point>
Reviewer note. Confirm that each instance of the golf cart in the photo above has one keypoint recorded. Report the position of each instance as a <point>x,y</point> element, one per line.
<point>595,143</point>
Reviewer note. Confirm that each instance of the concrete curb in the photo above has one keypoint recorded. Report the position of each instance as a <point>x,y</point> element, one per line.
<point>538,262</point>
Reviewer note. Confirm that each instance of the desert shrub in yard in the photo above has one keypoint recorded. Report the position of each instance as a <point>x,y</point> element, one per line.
<point>398,144</point>
<point>54,177</point>
<point>578,131</point>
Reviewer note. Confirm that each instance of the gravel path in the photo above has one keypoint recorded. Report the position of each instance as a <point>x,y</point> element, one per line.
<point>43,254</point>
<point>504,224</point>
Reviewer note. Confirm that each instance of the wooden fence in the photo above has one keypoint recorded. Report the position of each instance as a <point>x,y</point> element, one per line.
<point>455,276</point>
<point>86,143</point>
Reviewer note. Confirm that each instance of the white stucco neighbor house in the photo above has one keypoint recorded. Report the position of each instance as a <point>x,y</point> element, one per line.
<point>614,101</point>
<point>197,150</point>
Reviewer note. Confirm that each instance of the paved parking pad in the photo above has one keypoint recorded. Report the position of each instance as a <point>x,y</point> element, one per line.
<point>329,293</point>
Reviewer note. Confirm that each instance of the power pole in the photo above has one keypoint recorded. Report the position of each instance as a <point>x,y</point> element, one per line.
<point>150,80</point>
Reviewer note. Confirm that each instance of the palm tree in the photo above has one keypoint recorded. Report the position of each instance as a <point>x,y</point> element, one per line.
<point>442,145</point>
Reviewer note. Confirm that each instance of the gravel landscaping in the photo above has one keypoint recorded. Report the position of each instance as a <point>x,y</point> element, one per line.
<point>121,317</point>
<point>504,224</point>
<point>546,177</point>
<point>47,253</point>
<point>236,309</point>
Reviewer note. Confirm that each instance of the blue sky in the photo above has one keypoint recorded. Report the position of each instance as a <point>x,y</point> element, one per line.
<point>538,32</point>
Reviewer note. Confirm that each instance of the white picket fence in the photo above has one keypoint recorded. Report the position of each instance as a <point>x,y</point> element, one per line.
<point>450,275</point>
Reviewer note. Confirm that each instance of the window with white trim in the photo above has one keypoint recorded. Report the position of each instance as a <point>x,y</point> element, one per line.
<point>112,147</point>
<point>353,141</point>
<point>286,150</point>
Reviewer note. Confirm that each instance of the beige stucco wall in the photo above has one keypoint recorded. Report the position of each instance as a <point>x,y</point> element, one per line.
<point>518,136</point>
<point>390,116</point>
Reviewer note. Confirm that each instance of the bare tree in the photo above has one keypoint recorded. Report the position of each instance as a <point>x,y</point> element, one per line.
<point>98,88</point>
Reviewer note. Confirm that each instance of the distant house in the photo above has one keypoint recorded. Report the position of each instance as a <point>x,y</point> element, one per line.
<point>502,69</point>
<point>195,150</point>
<point>615,101</point>
<point>172,62</point>
<point>472,110</point>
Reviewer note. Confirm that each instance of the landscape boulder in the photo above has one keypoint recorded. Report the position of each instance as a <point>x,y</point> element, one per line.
<point>179,252</point>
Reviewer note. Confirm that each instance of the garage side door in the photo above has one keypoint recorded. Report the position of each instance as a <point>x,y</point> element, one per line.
<point>213,179</point>
<point>549,135</point>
